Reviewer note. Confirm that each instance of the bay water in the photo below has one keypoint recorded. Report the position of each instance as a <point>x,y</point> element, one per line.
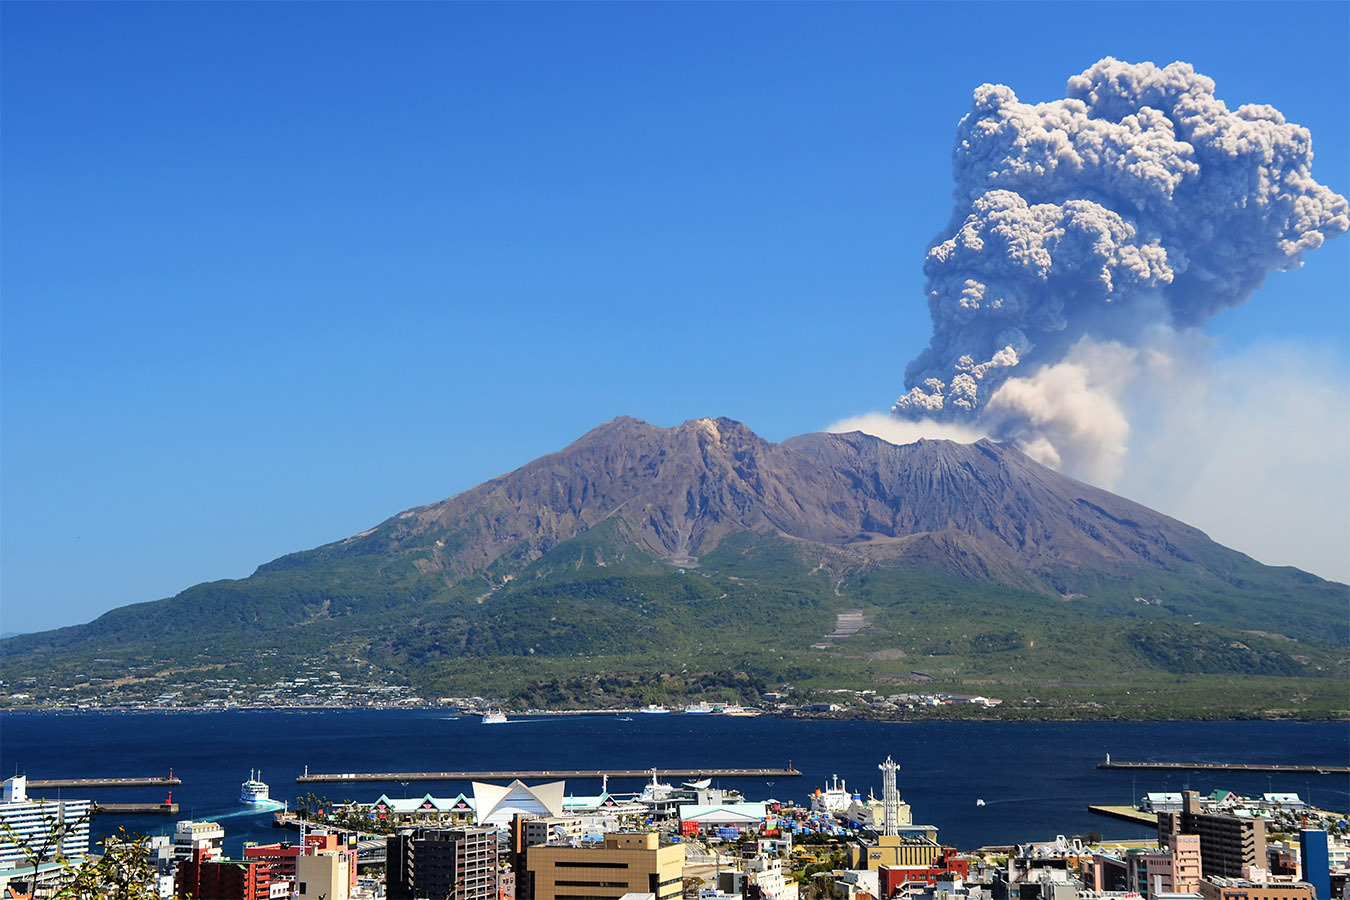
<point>1036,779</point>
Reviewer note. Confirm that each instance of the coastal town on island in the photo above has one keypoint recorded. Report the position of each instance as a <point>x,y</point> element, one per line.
<point>315,687</point>
<point>527,836</point>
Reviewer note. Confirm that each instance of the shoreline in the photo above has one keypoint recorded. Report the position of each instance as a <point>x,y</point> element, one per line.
<point>989,716</point>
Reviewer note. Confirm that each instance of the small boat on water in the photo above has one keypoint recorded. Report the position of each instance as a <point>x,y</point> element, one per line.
<point>495,717</point>
<point>255,790</point>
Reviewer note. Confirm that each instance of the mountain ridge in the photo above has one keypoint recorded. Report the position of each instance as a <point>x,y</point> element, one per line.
<point>636,550</point>
<point>861,492</point>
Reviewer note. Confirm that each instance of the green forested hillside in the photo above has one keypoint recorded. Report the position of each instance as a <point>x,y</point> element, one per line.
<point>568,630</point>
<point>702,562</point>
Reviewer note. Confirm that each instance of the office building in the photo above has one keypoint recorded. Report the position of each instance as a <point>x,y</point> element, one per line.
<point>442,864</point>
<point>1316,862</point>
<point>1228,844</point>
<point>205,878</point>
<point>40,830</point>
<point>624,863</point>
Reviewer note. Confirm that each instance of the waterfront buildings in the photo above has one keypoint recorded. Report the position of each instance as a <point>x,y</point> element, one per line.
<point>1228,843</point>
<point>205,878</point>
<point>39,830</point>
<point>915,846</point>
<point>191,837</point>
<point>699,818</point>
<point>322,866</point>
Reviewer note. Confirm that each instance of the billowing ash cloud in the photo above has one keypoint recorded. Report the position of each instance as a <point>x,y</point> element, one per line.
<point>1139,204</point>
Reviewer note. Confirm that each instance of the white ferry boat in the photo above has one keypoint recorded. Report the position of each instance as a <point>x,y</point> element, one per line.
<point>655,709</point>
<point>254,790</point>
<point>495,717</point>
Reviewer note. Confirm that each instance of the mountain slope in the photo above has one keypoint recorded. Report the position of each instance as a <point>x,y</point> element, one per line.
<point>637,546</point>
<point>982,511</point>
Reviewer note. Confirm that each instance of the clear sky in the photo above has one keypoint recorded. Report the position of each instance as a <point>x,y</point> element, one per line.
<point>274,272</point>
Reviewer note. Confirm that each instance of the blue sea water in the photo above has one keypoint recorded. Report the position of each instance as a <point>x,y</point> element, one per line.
<point>1037,779</point>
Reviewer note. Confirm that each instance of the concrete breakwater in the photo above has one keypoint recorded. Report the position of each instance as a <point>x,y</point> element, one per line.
<point>152,781</point>
<point>1228,767</point>
<point>495,775</point>
<point>115,809</point>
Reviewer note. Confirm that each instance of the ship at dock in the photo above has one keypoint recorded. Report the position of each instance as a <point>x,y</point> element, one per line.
<point>834,798</point>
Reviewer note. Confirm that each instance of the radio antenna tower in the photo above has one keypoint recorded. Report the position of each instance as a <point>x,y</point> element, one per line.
<point>890,797</point>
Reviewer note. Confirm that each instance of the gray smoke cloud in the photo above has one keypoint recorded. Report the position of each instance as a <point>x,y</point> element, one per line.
<point>1091,230</point>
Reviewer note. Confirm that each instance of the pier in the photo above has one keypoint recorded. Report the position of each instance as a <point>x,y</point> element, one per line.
<point>1228,767</point>
<point>349,777</point>
<point>153,781</point>
<point>166,808</point>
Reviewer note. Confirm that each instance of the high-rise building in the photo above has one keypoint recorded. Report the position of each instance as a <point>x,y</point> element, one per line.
<point>205,878</point>
<point>1228,844</point>
<point>40,830</point>
<point>442,864</point>
<point>1312,845</point>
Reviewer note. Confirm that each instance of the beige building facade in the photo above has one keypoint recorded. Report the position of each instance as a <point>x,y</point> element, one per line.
<point>906,851</point>
<point>324,875</point>
<point>626,863</point>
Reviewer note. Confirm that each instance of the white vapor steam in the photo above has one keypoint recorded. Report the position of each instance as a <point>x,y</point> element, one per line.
<point>1273,417</point>
<point>907,431</point>
<point>1091,235</point>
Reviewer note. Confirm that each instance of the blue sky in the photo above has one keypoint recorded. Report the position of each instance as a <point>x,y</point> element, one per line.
<point>274,272</point>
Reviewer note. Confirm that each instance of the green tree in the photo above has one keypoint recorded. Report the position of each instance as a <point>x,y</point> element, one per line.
<point>123,871</point>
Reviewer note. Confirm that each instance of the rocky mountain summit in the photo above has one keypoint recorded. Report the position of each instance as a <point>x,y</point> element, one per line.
<point>982,511</point>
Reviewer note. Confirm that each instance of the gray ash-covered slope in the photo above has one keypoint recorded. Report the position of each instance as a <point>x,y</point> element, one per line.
<point>982,511</point>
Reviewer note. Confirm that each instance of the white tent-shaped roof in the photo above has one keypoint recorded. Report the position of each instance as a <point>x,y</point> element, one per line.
<point>496,804</point>
<point>723,814</point>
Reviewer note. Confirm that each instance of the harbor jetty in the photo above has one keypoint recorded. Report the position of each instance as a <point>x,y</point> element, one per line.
<point>152,781</point>
<point>498,775</point>
<point>1227,767</point>
<point>168,807</point>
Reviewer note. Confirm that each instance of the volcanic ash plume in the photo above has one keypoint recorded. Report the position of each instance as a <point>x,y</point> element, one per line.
<point>1137,206</point>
